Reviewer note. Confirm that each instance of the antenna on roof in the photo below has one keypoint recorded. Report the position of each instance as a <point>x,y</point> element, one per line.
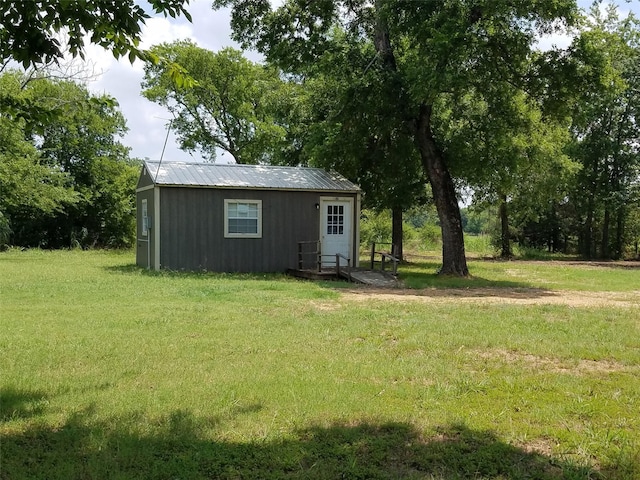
<point>163,146</point>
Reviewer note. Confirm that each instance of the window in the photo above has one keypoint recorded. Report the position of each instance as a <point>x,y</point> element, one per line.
<point>335,219</point>
<point>243,218</point>
<point>145,218</point>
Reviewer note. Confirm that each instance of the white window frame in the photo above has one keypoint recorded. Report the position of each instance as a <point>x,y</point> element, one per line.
<point>145,218</point>
<point>230,201</point>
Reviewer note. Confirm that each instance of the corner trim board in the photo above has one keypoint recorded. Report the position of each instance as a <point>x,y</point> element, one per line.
<point>156,228</point>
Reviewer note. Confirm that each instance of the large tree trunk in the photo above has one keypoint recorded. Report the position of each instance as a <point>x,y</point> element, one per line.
<point>396,231</point>
<point>505,240</point>
<point>454,261</point>
<point>382,43</point>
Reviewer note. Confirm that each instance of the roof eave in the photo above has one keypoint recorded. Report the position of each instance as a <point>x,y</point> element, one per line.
<point>256,187</point>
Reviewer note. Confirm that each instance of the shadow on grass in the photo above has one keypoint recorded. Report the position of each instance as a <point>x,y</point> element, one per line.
<point>618,264</point>
<point>178,447</point>
<point>20,404</point>
<point>453,293</point>
<point>133,269</point>
<point>424,275</point>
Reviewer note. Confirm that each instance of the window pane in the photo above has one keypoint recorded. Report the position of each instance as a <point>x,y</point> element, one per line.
<point>243,225</point>
<point>335,219</point>
<point>252,211</point>
<point>145,218</point>
<point>243,209</point>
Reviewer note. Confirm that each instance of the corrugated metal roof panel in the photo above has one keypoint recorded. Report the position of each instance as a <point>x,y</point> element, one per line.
<point>247,176</point>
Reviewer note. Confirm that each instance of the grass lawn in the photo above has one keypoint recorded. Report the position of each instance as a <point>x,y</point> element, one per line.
<point>112,372</point>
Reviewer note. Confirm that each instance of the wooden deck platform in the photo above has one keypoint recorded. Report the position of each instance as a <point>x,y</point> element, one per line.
<point>326,274</point>
<point>375,278</point>
<point>364,276</point>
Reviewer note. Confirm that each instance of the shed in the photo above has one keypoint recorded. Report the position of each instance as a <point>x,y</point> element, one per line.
<point>242,218</point>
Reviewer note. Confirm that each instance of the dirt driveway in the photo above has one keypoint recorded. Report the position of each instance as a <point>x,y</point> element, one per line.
<point>521,296</point>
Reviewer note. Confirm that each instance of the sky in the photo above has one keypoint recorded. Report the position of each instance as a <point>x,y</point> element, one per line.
<point>147,121</point>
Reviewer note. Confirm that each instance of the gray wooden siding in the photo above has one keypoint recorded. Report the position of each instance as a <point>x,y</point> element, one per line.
<point>192,229</point>
<point>144,180</point>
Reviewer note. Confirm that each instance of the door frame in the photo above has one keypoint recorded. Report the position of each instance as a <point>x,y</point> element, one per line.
<point>351,212</point>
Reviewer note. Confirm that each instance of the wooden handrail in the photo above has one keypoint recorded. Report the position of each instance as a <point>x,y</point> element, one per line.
<point>385,256</point>
<point>338,257</point>
<point>319,257</point>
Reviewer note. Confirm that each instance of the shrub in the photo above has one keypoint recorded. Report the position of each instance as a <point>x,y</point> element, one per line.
<point>375,227</point>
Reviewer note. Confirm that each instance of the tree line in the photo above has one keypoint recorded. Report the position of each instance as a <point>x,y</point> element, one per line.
<point>65,179</point>
<point>415,101</point>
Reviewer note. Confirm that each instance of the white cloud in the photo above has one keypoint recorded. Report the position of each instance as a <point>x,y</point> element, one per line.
<point>147,121</point>
<point>563,40</point>
<point>550,42</point>
<point>161,30</point>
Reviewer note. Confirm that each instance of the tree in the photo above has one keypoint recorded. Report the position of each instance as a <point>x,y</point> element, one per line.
<point>82,142</point>
<point>513,156</point>
<point>606,134</point>
<point>30,190</point>
<point>422,51</point>
<point>40,33</point>
<point>348,125</point>
<point>29,33</point>
<point>230,108</point>
<point>66,181</point>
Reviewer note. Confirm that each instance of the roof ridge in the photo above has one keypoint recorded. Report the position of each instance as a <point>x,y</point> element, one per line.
<point>212,164</point>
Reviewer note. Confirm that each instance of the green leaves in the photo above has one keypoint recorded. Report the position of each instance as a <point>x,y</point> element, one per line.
<point>218,100</point>
<point>605,130</point>
<point>29,188</point>
<point>29,33</point>
<point>63,176</point>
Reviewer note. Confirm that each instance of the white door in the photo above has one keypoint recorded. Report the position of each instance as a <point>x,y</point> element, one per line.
<point>336,226</point>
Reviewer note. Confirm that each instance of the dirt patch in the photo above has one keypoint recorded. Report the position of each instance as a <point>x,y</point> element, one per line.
<point>543,446</point>
<point>324,306</point>
<point>517,296</point>
<point>553,365</point>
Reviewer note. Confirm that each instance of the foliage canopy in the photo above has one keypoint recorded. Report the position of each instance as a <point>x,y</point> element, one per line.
<point>30,30</point>
<point>65,180</point>
<point>230,107</point>
<point>417,52</point>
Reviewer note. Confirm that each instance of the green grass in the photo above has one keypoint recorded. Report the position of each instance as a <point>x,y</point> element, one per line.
<point>547,275</point>
<point>109,371</point>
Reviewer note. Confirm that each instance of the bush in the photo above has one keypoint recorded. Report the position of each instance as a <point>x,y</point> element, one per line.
<point>430,236</point>
<point>375,227</point>
<point>481,245</point>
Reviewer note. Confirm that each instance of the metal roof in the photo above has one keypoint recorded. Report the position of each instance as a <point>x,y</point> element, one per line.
<point>263,177</point>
